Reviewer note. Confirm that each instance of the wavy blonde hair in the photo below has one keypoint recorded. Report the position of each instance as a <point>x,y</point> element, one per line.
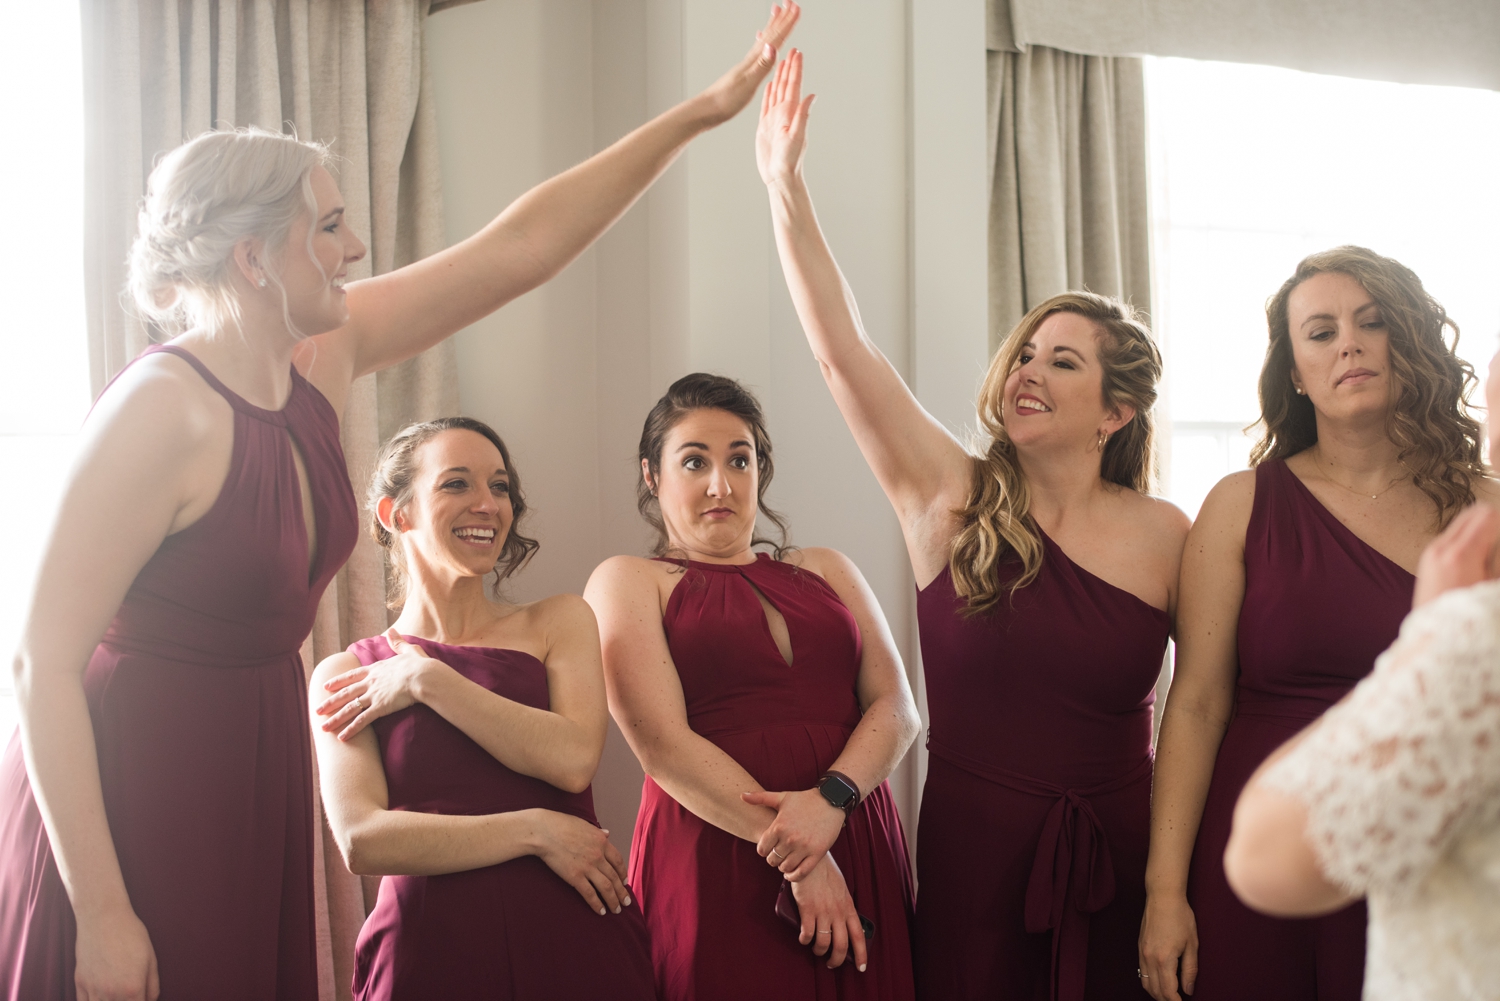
<point>1429,419</point>
<point>997,521</point>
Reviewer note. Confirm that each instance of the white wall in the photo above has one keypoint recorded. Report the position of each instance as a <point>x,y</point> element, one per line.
<point>689,279</point>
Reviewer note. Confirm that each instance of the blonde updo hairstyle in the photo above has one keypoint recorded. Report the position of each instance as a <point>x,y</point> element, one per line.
<point>395,476</point>
<point>996,521</point>
<point>203,198</point>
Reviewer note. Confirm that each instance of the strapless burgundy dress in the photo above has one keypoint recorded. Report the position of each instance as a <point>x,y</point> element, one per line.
<point>1031,847</point>
<point>709,899</point>
<point>199,706</point>
<point>508,932</point>
<point>1320,606</point>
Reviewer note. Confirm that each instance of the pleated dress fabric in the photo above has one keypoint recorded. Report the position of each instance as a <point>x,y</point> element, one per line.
<point>1031,847</point>
<point>508,932</point>
<point>199,708</point>
<point>709,899</point>
<point>1320,606</point>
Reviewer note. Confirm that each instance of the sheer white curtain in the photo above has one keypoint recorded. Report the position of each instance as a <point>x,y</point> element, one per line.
<point>346,72</point>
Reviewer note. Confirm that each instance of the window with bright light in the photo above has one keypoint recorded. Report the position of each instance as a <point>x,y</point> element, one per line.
<point>46,391</point>
<point>1252,168</point>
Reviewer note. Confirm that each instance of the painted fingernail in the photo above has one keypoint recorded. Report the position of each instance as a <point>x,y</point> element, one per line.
<point>862,967</point>
<point>627,900</point>
<point>769,52</point>
<point>602,912</point>
<point>617,910</point>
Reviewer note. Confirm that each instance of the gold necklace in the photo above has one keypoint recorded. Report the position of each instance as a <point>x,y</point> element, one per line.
<point>1360,493</point>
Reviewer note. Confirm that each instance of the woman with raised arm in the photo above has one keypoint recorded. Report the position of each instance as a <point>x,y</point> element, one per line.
<point>156,810</point>
<point>456,752</point>
<point>1046,580</point>
<point>1297,574</point>
<point>767,703</point>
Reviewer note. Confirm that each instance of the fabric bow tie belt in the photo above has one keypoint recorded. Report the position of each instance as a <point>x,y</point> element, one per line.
<point>1072,874</point>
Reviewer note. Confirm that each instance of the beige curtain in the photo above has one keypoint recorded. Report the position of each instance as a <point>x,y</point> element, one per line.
<point>1067,153</point>
<point>347,72</point>
<point>1454,42</point>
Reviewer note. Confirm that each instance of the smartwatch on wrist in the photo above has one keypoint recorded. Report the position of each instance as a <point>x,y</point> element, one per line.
<point>840,791</point>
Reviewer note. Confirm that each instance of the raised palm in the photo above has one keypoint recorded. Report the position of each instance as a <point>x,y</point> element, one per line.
<point>736,88</point>
<point>781,138</point>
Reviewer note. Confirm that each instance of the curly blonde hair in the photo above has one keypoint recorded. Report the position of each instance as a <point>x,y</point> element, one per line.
<point>997,521</point>
<point>1429,419</point>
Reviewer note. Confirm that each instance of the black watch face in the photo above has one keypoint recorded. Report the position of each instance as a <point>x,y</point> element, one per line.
<point>836,791</point>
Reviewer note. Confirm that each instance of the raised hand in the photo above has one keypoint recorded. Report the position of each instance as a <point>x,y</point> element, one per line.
<point>581,854</point>
<point>114,960</point>
<point>730,93</point>
<point>830,923</point>
<point>806,826</point>
<point>781,138</point>
<point>365,694</point>
<point>1462,556</point>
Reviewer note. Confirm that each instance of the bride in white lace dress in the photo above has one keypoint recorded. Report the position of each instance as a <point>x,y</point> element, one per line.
<point>1394,794</point>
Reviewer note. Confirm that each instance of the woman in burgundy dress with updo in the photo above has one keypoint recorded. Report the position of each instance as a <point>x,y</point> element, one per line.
<point>1297,575</point>
<point>156,815</point>
<point>767,703</point>
<point>457,750</point>
<point>1047,578</point>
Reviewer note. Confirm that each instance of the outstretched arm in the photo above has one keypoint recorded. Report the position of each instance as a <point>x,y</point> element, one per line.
<point>397,315</point>
<point>920,465</point>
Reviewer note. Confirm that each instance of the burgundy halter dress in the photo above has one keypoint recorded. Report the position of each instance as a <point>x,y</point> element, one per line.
<point>508,932</point>
<point>199,707</point>
<point>709,899</point>
<point>1031,847</point>
<point>1320,606</point>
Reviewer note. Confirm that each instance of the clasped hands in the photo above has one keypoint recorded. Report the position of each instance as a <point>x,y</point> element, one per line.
<point>806,826</point>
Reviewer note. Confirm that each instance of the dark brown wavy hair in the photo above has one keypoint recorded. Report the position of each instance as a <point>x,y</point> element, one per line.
<point>997,518</point>
<point>396,468</point>
<point>1428,420</point>
<point>701,391</point>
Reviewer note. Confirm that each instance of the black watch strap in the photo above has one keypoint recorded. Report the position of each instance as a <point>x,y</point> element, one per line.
<point>840,790</point>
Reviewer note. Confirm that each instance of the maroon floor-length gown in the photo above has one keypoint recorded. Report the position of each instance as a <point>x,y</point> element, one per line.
<point>1320,605</point>
<point>1031,848</point>
<point>199,709</point>
<point>709,899</point>
<point>508,932</point>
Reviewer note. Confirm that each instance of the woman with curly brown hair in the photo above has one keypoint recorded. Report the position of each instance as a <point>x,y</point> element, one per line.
<point>1297,574</point>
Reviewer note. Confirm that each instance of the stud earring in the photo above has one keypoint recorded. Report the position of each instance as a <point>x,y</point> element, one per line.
<point>261,283</point>
<point>1301,391</point>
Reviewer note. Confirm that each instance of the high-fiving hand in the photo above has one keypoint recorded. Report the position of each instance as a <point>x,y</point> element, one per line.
<point>781,138</point>
<point>729,94</point>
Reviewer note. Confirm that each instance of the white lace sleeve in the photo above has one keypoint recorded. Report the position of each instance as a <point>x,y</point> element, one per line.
<point>1412,756</point>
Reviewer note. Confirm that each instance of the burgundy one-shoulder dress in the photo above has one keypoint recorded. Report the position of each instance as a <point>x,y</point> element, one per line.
<point>199,707</point>
<point>709,899</point>
<point>1320,606</point>
<point>508,932</point>
<point>1031,848</point>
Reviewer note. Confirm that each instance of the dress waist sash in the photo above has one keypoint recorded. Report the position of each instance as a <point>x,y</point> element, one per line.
<point>1072,874</point>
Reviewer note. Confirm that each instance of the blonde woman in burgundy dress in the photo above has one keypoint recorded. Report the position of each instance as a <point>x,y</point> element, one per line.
<point>155,810</point>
